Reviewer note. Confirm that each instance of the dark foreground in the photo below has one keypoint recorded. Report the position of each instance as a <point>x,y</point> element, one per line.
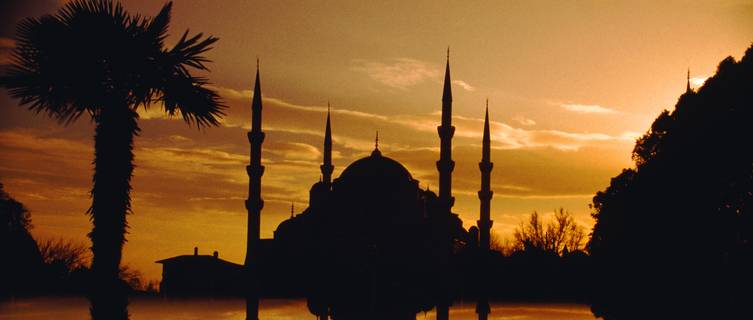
<point>157,308</point>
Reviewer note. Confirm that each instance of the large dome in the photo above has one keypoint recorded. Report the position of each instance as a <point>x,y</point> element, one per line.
<point>376,166</point>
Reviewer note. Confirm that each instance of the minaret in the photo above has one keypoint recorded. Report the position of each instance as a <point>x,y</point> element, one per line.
<point>254,203</point>
<point>687,88</point>
<point>327,166</point>
<point>485,194</point>
<point>445,165</point>
<point>255,171</point>
<point>484,222</point>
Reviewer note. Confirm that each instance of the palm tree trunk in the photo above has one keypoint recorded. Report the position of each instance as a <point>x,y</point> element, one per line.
<point>113,166</point>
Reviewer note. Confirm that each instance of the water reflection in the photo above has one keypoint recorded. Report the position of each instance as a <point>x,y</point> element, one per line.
<point>270,309</point>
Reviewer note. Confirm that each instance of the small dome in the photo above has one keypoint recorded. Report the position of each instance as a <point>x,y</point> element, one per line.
<point>376,166</point>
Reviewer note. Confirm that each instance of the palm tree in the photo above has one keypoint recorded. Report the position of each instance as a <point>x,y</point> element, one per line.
<point>94,58</point>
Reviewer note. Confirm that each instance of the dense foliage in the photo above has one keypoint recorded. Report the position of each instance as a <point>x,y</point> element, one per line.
<point>18,246</point>
<point>676,230</point>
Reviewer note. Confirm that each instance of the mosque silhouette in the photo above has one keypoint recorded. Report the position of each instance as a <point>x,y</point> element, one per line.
<point>370,245</point>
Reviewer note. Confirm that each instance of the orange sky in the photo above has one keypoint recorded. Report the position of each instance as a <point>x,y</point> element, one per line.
<point>570,87</point>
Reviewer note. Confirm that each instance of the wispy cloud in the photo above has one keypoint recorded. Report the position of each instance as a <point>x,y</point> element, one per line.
<point>297,151</point>
<point>587,108</point>
<point>178,138</point>
<point>464,85</point>
<point>401,73</point>
<point>230,93</point>
<point>155,112</point>
<point>524,121</point>
<point>354,128</point>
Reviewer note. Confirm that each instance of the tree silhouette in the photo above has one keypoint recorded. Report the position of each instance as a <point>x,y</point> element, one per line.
<point>17,273</point>
<point>14,217</point>
<point>66,267</point>
<point>678,228</point>
<point>556,236</point>
<point>94,58</point>
<point>63,257</point>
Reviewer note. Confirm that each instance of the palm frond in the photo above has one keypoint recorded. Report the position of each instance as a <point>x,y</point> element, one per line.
<point>188,51</point>
<point>72,62</point>
<point>33,76</point>
<point>156,28</point>
<point>92,55</point>
<point>189,96</point>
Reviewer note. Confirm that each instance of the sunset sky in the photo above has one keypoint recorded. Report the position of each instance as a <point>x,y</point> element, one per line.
<point>570,86</point>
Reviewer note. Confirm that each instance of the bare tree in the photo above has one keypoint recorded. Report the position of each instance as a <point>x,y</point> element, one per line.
<point>530,235</point>
<point>560,233</point>
<point>66,254</point>
<point>505,246</point>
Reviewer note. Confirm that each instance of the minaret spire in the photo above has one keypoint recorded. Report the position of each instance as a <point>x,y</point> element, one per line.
<point>446,131</point>
<point>687,88</point>
<point>327,166</point>
<point>447,92</point>
<point>486,140</point>
<point>445,166</point>
<point>485,194</point>
<point>254,203</point>
<point>484,222</point>
<point>256,106</point>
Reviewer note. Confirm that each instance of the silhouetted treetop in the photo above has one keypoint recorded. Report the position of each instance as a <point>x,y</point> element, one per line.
<point>93,54</point>
<point>680,224</point>
<point>14,217</point>
<point>21,257</point>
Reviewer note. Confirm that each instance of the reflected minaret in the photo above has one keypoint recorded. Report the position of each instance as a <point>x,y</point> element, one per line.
<point>327,166</point>
<point>254,203</point>
<point>484,222</point>
<point>445,165</point>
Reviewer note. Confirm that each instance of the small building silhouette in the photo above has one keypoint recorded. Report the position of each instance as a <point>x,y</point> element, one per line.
<point>187,275</point>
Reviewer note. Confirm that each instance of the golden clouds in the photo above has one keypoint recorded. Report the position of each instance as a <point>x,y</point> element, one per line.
<point>587,108</point>
<point>190,184</point>
<point>524,121</point>
<point>355,129</point>
<point>401,73</point>
<point>464,85</point>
